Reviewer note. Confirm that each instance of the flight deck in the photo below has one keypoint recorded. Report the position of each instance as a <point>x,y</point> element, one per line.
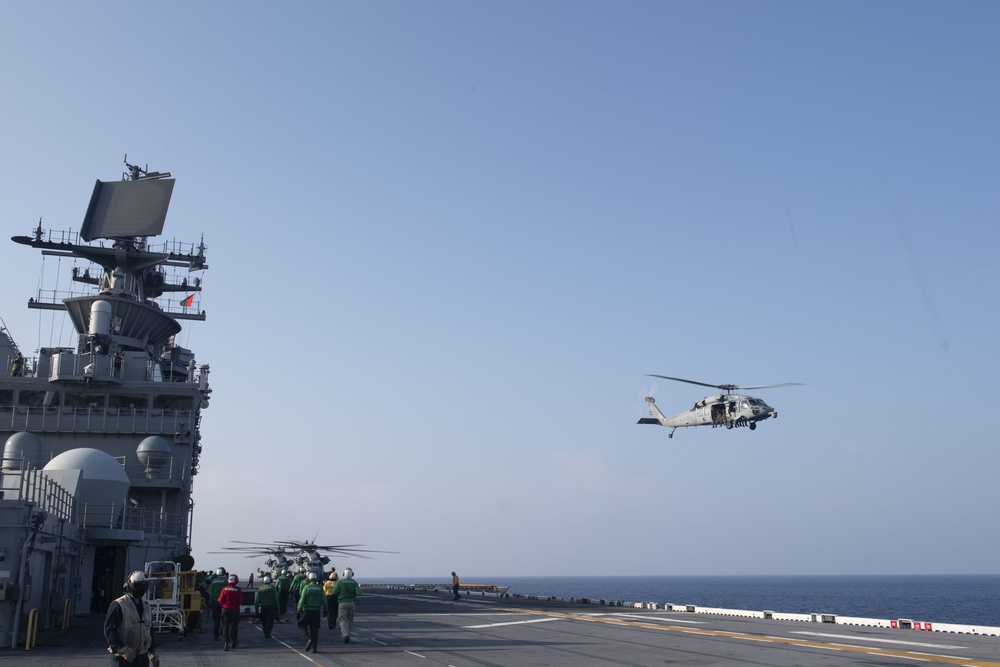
<point>412,628</point>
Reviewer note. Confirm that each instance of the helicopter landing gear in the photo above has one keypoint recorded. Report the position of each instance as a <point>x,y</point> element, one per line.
<point>671,434</point>
<point>753,426</point>
<point>729,424</point>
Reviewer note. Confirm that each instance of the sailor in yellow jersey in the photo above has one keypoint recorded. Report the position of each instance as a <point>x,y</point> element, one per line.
<point>454,584</point>
<point>331,600</point>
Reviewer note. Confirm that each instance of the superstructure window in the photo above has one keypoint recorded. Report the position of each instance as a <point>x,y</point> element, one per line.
<point>84,400</point>
<point>32,399</point>
<point>128,401</point>
<point>168,402</point>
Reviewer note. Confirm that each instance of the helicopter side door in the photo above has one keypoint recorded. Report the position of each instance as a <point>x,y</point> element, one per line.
<point>718,414</point>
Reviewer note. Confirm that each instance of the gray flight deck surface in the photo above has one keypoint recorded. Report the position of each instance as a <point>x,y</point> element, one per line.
<point>422,629</point>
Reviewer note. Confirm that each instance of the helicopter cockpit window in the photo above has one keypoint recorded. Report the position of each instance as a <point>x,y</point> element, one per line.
<point>744,405</point>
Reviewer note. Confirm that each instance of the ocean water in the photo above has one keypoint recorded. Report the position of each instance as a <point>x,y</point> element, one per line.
<point>962,599</point>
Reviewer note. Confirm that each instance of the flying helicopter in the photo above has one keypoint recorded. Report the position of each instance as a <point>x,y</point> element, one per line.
<point>295,556</point>
<point>728,409</point>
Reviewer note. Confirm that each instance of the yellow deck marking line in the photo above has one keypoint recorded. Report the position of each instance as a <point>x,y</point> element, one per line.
<point>879,640</point>
<point>910,655</point>
<point>288,646</point>
<point>295,650</point>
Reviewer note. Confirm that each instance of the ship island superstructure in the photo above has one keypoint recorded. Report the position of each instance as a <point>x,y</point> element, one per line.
<point>102,437</point>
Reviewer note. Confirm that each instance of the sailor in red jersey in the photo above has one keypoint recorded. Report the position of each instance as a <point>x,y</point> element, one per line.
<point>230,599</point>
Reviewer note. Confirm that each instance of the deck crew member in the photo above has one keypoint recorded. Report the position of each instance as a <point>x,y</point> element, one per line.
<point>128,625</point>
<point>230,600</point>
<point>454,584</point>
<point>265,603</point>
<point>284,584</point>
<point>311,604</point>
<point>347,591</point>
<point>213,594</point>
<point>298,581</point>
<point>331,600</point>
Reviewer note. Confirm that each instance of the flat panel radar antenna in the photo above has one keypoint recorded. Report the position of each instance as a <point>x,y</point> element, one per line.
<point>135,206</point>
<point>130,275</point>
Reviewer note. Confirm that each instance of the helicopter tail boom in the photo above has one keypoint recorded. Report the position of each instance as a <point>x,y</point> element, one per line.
<point>656,417</point>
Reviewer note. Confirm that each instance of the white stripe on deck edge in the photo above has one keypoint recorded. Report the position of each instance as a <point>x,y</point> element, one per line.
<point>661,619</point>
<point>905,657</point>
<point>496,625</point>
<point>468,613</point>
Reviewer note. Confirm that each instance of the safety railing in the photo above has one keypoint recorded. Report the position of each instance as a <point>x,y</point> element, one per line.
<point>127,517</point>
<point>51,419</point>
<point>34,486</point>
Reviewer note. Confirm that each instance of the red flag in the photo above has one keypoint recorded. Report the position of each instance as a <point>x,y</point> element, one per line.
<point>188,302</point>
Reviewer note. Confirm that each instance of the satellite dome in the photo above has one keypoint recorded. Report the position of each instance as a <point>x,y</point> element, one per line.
<point>154,453</point>
<point>20,448</point>
<point>102,479</point>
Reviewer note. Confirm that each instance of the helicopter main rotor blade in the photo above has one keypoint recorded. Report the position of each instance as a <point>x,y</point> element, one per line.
<point>338,548</point>
<point>359,551</point>
<point>324,547</point>
<point>729,387</point>
<point>769,386</point>
<point>305,550</point>
<point>703,384</point>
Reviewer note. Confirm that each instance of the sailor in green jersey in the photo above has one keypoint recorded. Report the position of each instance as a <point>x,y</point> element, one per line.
<point>346,591</point>
<point>284,584</point>
<point>213,595</point>
<point>297,581</point>
<point>265,603</point>
<point>312,604</point>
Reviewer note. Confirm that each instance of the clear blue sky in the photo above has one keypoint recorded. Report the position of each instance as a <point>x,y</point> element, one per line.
<point>448,240</point>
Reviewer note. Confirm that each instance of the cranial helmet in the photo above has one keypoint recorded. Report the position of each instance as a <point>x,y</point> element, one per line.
<point>284,573</point>
<point>348,572</point>
<point>137,584</point>
<point>233,579</point>
<point>267,578</point>
<point>221,572</point>
<point>312,576</point>
<point>333,576</point>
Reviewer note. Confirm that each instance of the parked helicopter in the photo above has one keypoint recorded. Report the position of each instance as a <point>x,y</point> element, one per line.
<point>728,409</point>
<point>294,556</point>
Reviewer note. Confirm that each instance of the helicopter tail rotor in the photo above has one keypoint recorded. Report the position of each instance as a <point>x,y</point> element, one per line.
<point>655,416</point>
<point>646,395</point>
